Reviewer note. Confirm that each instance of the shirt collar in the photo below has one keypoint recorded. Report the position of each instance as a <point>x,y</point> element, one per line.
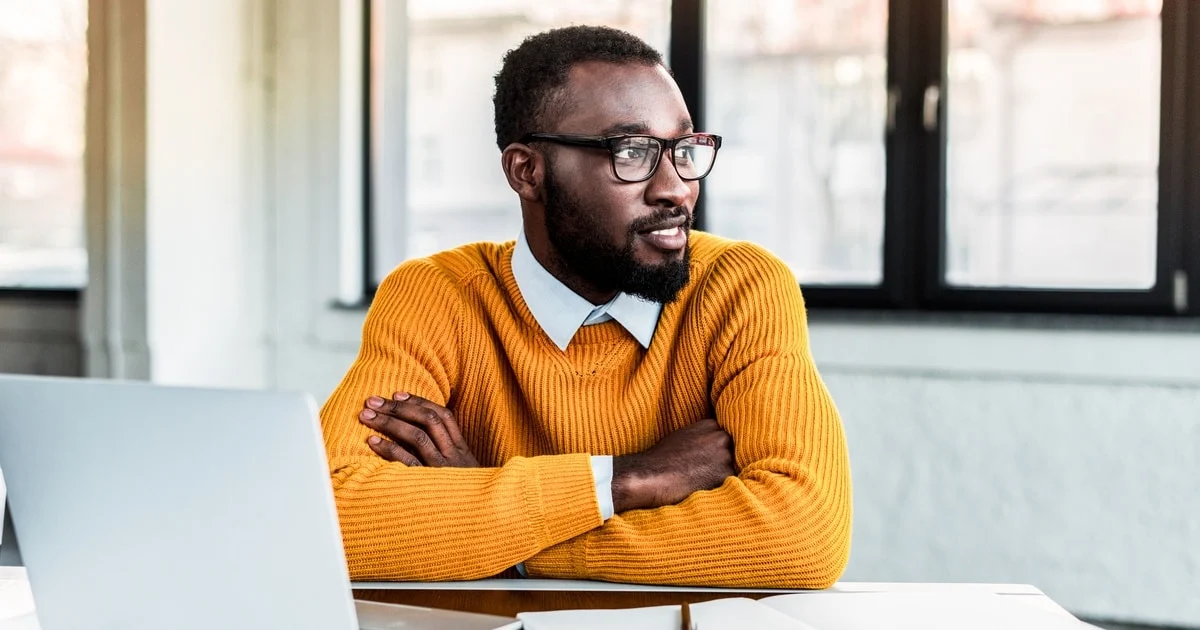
<point>561,312</point>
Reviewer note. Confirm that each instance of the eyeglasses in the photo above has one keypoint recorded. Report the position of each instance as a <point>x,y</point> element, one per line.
<point>635,158</point>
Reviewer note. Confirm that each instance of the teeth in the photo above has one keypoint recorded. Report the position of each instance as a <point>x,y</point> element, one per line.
<point>667,232</point>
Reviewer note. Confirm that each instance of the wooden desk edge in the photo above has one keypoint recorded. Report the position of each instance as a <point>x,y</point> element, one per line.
<point>509,603</point>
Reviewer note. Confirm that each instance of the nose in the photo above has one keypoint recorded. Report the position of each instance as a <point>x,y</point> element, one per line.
<point>667,189</point>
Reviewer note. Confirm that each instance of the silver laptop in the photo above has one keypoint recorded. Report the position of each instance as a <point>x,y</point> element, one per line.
<point>143,507</point>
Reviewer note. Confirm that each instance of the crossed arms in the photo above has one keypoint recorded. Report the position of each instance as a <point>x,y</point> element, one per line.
<point>758,496</point>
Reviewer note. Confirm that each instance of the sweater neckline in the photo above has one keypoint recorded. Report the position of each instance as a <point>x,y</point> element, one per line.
<point>604,333</point>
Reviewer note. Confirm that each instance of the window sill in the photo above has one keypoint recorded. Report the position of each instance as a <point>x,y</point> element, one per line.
<point>1157,351</point>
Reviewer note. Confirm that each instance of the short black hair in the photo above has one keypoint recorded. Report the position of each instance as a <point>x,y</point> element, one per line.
<point>529,84</point>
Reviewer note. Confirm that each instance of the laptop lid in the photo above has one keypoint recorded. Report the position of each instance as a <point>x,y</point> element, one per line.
<point>148,507</point>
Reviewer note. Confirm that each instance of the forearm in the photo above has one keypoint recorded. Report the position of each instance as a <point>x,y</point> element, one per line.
<point>401,523</point>
<point>761,529</point>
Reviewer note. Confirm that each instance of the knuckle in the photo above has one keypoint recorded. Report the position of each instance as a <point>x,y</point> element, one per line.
<point>432,417</point>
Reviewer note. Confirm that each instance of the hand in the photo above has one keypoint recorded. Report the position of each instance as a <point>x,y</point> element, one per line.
<point>417,431</point>
<point>696,457</point>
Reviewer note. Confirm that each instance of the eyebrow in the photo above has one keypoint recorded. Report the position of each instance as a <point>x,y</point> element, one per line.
<point>685,126</point>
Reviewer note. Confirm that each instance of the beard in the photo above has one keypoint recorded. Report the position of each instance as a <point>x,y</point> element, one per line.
<point>578,235</point>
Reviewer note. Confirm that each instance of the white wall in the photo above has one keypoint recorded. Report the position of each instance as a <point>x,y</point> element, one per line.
<point>1068,459</point>
<point>206,246</point>
<point>988,451</point>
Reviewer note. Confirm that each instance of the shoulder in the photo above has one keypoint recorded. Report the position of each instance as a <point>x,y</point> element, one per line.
<point>442,278</point>
<point>452,268</point>
<point>723,265</point>
<point>747,298</point>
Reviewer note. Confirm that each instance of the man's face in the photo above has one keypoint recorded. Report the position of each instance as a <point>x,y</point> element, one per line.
<point>604,229</point>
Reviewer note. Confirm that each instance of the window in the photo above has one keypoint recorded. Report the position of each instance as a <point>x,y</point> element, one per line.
<point>43,73</point>
<point>1013,155</point>
<point>1053,121</point>
<point>799,92</point>
<point>431,70</point>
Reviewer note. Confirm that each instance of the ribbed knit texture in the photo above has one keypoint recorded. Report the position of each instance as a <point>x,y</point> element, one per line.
<point>453,328</point>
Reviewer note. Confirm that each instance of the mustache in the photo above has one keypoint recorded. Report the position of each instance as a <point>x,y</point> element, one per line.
<point>665,214</point>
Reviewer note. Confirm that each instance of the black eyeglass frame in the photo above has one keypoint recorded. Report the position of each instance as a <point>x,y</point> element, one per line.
<point>666,147</point>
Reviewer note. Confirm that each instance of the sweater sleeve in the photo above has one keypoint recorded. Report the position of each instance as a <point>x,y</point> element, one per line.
<point>784,521</point>
<point>402,523</point>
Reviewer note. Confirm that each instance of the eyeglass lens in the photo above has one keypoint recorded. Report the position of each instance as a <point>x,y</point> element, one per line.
<point>635,157</point>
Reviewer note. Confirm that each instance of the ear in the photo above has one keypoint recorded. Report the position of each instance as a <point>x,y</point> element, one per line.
<point>525,170</point>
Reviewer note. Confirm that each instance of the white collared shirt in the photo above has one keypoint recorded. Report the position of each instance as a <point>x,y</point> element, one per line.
<point>561,312</point>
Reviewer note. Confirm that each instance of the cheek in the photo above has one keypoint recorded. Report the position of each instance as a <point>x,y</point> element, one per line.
<point>621,205</point>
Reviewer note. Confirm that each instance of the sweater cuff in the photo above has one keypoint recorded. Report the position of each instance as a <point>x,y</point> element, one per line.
<point>563,501</point>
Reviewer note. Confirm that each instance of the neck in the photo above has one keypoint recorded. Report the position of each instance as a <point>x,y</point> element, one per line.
<point>547,256</point>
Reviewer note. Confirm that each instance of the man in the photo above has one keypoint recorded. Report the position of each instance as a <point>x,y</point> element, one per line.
<point>610,397</point>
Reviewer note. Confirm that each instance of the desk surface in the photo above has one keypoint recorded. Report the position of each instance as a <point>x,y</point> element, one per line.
<point>509,597</point>
<point>588,586</point>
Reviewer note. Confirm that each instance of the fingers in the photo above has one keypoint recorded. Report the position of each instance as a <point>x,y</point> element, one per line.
<point>448,419</point>
<point>434,419</point>
<point>391,451</point>
<point>445,419</point>
<point>405,434</point>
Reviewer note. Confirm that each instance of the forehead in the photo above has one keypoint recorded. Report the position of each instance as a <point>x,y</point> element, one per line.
<point>604,98</point>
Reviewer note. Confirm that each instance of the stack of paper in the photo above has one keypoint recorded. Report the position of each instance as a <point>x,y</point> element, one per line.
<point>376,616</point>
<point>733,612</point>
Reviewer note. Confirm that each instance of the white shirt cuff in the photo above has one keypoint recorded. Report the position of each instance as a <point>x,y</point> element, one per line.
<point>602,473</point>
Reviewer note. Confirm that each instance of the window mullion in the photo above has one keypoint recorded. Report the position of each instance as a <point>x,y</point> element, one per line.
<point>686,58</point>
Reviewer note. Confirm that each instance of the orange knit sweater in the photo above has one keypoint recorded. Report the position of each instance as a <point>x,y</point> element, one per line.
<point>453,328</point>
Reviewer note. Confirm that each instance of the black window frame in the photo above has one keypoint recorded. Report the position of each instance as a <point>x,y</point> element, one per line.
<point>915,203</point>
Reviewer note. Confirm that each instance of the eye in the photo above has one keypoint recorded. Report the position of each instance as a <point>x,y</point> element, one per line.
<point>629,152</point>
<point>635,150</point>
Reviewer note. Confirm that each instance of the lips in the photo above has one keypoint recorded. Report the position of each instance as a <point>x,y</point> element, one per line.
<point>669,235</point>
<point>674,222</point>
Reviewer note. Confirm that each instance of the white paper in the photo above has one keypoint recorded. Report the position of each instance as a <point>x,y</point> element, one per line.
<point>380,616</point>
<point>736,612</point>
<point>920,611</point>
<point>16,600</point>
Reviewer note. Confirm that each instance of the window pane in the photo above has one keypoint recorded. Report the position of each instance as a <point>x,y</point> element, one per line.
<point>454,190</point>
<point>43,72</point>
<point>799,91</point>
<point>1053,143</point>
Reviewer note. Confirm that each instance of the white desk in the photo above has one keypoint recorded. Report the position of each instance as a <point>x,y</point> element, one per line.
<point>16,600</point>
<point>17,611</point>
<point>509,597</point>
<point>17,606</point>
